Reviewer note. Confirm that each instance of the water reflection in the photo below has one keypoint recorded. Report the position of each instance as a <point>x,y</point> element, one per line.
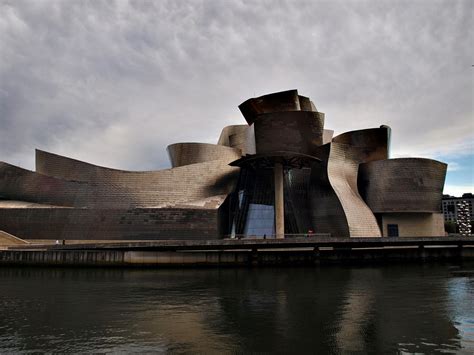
<point>414,308</point>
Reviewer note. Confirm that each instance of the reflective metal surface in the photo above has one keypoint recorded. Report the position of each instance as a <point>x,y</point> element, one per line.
<point>378,310</point>
<point>352,189</point>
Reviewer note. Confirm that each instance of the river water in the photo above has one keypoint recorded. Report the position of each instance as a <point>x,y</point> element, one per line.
<point>335,309</point>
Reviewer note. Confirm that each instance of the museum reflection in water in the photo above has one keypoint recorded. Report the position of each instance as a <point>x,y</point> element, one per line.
<point>415,308</point>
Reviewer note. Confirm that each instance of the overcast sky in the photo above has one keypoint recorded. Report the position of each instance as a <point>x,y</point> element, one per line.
<point>115,82</point>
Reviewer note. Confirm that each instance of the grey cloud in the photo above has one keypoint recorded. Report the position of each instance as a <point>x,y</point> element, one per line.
<point>114,82</point>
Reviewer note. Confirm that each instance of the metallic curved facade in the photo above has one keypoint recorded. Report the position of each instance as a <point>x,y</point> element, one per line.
<point>146,188</point>
<point>182,154</point>
<point>343,157</point>
<point>66,168</point>
<point>281,173</point>
<point>403,185</point>
<point>238,136</point>
<point>367,144</point>
<point>342,168</point>
<point>327,136</point>
<point>114,188</point>
<point>284,101</point>
<point>326,211</point>
<point>169,204</point>
<point>299,131</point>
<point>336,205</point>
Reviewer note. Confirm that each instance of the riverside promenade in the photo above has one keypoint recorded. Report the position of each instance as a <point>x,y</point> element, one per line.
<point>240,252</point>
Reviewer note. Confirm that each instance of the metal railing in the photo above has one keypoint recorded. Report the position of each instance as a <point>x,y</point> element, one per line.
<point>274,236</point>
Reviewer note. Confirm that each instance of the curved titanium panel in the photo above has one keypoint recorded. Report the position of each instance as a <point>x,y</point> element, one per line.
<point>343,165</point>
<point>238,136</point>
<point>346,152</point>
<point>277,102</point>
<point>371,144</point>
<point>403,185</point>
<point>74,170</point>
<point>111,223</point>
<point>62,167</point>
<point>327,214</point>
<point>182,154</point>
<point>119,189</point>
<point>349,216</point>
<point>327,135</point>
<point>297,131</point>
<point>21,184</point>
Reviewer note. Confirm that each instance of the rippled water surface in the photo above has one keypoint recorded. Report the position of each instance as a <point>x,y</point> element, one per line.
<point>382,309</point>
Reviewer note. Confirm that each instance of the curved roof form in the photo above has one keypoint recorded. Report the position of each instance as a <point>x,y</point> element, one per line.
<point>182,154</point>
<point>335,185</point>
<point>403,185</point>
<point>300,132</point>
<point>283,101</point>
<point>61,167</point>
<point>66,168</point>
<point>238,136</point>
<point>25,185</point>
<point>114,188</point>
<point>371,144</point>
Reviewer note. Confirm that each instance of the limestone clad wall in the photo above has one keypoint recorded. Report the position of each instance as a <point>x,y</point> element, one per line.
<point>415,224</point>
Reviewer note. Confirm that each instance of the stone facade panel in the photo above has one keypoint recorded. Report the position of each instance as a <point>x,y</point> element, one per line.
<point>414,224</point>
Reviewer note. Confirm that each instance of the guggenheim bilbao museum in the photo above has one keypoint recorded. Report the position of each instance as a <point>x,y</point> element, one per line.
<point>279,175</point>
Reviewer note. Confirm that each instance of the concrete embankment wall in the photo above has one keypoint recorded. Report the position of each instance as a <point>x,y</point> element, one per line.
<point>227,258</point>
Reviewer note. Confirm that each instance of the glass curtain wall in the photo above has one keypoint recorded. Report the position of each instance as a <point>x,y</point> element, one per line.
<point>297,207</point>
<point>253,203</point>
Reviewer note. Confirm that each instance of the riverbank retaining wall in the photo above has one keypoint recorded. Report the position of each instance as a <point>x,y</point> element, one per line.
<point>120,258</point>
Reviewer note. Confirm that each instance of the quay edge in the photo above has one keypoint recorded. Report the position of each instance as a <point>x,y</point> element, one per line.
<point>241,253</point>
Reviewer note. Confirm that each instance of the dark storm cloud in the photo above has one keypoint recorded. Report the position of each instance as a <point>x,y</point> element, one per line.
<point>115,82</point>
